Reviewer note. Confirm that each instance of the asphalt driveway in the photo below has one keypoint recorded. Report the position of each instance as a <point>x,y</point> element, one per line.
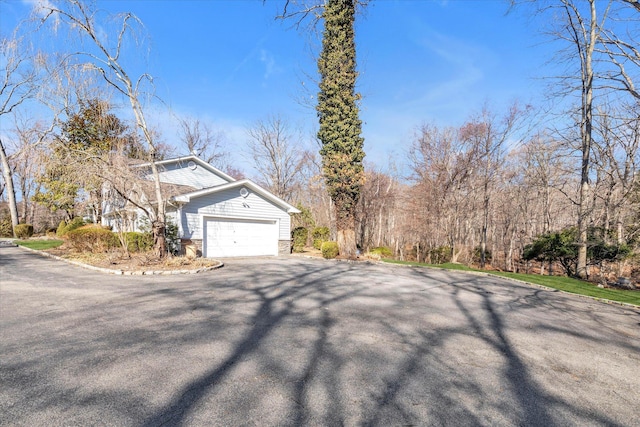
<point>291,341</point>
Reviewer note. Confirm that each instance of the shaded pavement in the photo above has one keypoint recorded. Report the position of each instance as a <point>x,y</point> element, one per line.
<point>291,341</point>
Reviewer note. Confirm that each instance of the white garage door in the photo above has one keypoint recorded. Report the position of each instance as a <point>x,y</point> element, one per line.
<point>239,237</point>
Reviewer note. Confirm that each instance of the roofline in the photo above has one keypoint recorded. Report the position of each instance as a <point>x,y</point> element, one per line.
<point>193,158</point>
<point>185,198</point>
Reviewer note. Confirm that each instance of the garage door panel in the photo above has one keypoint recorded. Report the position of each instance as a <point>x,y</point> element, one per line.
<point>240,237</point>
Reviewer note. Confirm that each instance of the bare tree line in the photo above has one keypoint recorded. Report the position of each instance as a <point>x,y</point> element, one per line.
<point>477,193</point>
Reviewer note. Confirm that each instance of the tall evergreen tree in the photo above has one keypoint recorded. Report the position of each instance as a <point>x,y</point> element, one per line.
<point>340,127</point>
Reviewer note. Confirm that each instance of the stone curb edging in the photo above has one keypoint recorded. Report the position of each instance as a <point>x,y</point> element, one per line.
<point>125,272</point>
<point>547,288</point>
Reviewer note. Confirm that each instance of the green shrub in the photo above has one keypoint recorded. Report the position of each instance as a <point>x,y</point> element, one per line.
<point>320,235</point>
<point>139,242</point>
<point>562,247</point>
<point>299,236</point>
<point>477,255</point>
<point>91,238</point>
<point>6,229</point>
<point>60,229</point>
<point>74,224</point>
<point>23,231</point>
<point>383,251</point>
<point>329,250</point>
<point>172,234</point>
<point>441,254</point>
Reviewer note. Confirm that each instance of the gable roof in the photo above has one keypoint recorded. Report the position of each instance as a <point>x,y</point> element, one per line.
<point>191,158</point>
<point>186,198</point>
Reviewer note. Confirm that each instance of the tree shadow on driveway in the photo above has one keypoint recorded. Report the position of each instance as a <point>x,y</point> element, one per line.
<point>295,342</point>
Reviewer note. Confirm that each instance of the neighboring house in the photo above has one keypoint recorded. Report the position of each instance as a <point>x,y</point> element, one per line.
<point>221,216</point>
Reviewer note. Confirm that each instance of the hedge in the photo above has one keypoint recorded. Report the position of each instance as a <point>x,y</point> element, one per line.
<point>329,250</point>
<point>23,231</point>
<point>320,235</point>
<point>91,238</point>
<point>138,242</point>
<point>65,227</point>
<point>299,236</point>
<point>6,228</point>
<point>383,251</point>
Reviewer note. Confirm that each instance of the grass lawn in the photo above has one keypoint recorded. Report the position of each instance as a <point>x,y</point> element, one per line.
<point>566,284</point>
<point>39,245</point>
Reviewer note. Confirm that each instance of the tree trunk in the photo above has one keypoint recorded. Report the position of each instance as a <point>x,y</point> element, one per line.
<point>11,193</point>
<point>347,243</point>
<point>379,242</point>
<point>586,131</point>
<point>345,227</point>
<point>508,261</point>
<point>454,254</point>
<point>485,220</point>
<point>159,239</point>
<point>583,214</point>
<point>340,126</point>
<point>31,218</point>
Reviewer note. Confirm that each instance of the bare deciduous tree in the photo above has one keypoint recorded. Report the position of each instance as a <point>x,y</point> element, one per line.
<point>579,25</point>
<point>544,171</point>
<point>107,58</point>
<point>582,31</point>
<point>18,83</point>
<point>442,197</point>
<point>277,155</point>
<point>200,139</point>
<point>620,42</point>
<point>377,209</point>
<point>616,159</point>
<point>27,162</point>
<point>487,135</point>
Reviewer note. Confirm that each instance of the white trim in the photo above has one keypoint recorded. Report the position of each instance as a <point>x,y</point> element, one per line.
<point>179,221</point>
<point>186,198</point>
<point>197,160</point>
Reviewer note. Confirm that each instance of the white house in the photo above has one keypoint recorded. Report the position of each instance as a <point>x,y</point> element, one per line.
<point>221,216</point>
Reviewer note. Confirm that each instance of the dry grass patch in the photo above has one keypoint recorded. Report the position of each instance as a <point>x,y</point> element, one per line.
<point>116,260</point>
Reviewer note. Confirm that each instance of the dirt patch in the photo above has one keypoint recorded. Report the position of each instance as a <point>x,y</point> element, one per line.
<point>135,262</point>
<point>308,252</point>
<point>312,252</point>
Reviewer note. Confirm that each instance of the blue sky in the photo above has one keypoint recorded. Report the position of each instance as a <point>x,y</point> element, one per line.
<point>230,63</point>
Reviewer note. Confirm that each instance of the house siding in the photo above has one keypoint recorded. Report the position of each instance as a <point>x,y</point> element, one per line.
<point>172,216</point>
<point>230,204</point>
<point>180,173</point>
<point>137,221</point>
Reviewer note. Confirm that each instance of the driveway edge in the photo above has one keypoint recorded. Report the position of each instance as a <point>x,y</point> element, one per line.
<point>125,272</point>
<point>547,288</point>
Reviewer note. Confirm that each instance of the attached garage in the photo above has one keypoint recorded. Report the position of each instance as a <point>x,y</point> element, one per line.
<point>229,237</point>
<point>216,215</point>
<point>237,219</point>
